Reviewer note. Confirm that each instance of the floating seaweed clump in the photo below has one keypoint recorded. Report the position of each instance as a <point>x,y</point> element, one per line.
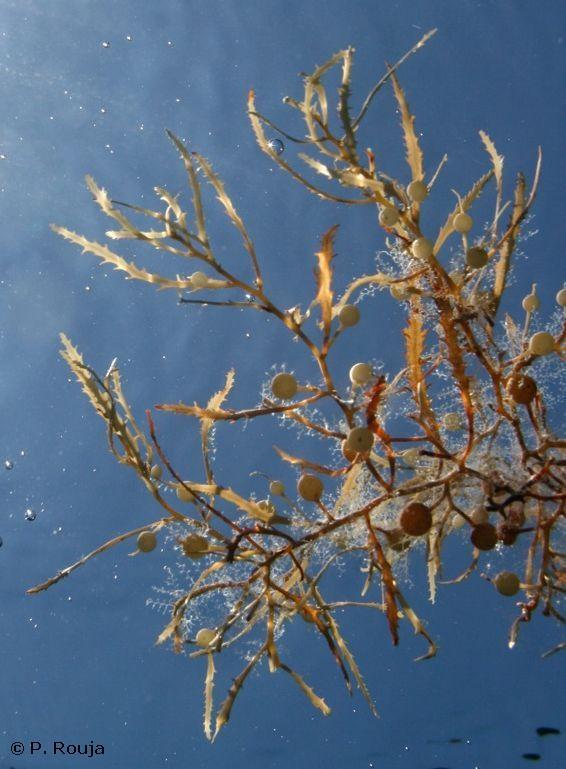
<point>457,443</point>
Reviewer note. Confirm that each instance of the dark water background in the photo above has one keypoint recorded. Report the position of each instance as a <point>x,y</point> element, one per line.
<point>78,663</point>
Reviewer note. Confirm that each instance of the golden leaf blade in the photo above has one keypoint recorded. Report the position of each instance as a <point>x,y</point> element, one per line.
<point>455,355</point>
<point>207,422</point>
<point>312,89</point>
<point>316,165</point>
<point>195,187</point>
<point>195,411</point>
<point>171,201</point>
<point>497,163</point>
<point>272,655</point>
<point>315,700</point>
<point>418,627</point>
<point>389,589</point>
<point>379,278</point>
<point>208,689</point>
<point>349,657</point>
<point>447,228</point>
<point>507,244</point>
<point>415,336</point>
<point>369,98</point>
<point>223,715</point>
<point>345,91</point>
<point>324,280</point>
<point>103,201</point>
<point>414,153</point>
<point>348,487</point>
<point>414,346</point>
<point>107,256</point>
<point>230,210</point>
<point>433,564</point>
<point>310,465</point>
<point>504,262</point>
<point>248,506</point>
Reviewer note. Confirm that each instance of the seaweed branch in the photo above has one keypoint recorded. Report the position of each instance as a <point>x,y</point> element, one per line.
<point>455,445</point>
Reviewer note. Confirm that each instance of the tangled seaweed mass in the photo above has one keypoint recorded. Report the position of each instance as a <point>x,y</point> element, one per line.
<point>414,457</point>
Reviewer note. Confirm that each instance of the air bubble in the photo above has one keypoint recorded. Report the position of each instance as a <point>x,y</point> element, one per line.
<point>105,44</point>
<point>8,464</point>
<point>276,145</point>
<point>30,514</point>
